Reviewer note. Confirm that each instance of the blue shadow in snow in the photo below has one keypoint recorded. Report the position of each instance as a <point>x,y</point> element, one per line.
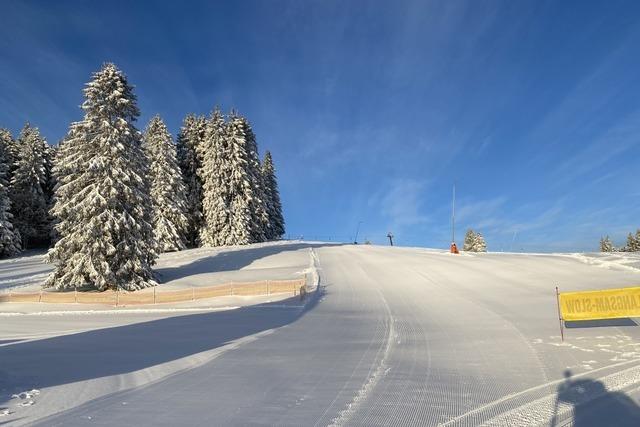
<point>123,349</point>
<point>600,323</point>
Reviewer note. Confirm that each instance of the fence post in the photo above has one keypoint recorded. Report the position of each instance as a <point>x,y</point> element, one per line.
<point>117,296</point>
<point>40,297</point>
<point>154,294</point>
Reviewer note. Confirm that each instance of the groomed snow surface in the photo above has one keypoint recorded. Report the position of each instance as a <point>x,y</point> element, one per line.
<point>393,336</point>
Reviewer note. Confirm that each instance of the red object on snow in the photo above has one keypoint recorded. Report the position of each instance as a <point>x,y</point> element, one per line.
<point>454,248</point>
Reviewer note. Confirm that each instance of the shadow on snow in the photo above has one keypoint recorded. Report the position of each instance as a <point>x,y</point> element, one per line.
<point>593,405</point>
<point>124,349</point>
<point>228,260</point>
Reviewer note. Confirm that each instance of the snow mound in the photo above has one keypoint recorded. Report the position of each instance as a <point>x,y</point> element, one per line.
<point>628,261</point>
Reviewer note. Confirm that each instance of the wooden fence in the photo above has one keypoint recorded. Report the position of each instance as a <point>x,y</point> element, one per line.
<point>158,296</point>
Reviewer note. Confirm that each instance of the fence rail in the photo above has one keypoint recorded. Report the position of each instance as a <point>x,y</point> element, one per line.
<point>156,296</point>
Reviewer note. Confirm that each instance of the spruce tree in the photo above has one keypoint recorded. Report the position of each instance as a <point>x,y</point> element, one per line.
<point>216,173</point>
<point>167,189</point>
<point>189,152</point>
<point>633,243</point>
<point>248,217</point>
<point>102,202</point>
<point>606,245</point>
<point>10,152</point>
<point>469,241</point>
<point>272,199</point>
<point>28,188</point>
<point>9,236</point>
<point>479,244</point>
<point>260,225</point>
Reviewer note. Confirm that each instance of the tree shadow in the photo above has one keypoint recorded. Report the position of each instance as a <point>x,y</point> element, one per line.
<point>593,405</point>
<point>230,260</point>
<point>124,349</point>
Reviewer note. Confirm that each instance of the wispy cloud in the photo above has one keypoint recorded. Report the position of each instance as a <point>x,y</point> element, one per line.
<point>402,204</point>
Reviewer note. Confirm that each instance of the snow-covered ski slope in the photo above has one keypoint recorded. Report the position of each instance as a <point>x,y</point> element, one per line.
<point>395,336</point>
<point>178,270</point>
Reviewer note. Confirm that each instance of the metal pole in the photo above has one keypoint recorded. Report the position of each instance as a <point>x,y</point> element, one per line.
<point>390,236</point>
<point>559,314</point>
<point>355,241</point>
<point>453,215</point>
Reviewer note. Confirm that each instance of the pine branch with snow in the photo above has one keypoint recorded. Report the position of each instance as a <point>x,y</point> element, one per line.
<point>102,200</point>
<point>167,189</point>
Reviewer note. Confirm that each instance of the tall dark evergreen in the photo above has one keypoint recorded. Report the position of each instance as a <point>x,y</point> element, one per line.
<point>10,241</point>
<point>188,143</point>
<point>167,188</point>
<point>272,199</point>
<point>28,188</point>
<point>102,202</point>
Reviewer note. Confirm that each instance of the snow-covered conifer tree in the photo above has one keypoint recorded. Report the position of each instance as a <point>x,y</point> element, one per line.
<point>28,188</point>
<point>272,199</point>
<point>9,236</point>
<point>633,243</point>
<point>219,184</point>
<point>606,245</point>
<point>10,152</point>
<point>260,225</point>
<point>248,217</point>
<point>102,200</point>
<point>474,242</point>
<point>479,245</point>
<point>167,189</point>
<point>469,241</point>
<point>190,138</point>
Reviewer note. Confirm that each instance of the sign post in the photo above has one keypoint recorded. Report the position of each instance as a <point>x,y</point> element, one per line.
<point>559,314</point>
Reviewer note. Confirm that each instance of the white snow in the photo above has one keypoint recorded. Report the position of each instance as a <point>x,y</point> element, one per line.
<point>394,336</point>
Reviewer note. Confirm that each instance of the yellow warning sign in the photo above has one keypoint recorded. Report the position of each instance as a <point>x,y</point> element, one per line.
<point>603,304</point>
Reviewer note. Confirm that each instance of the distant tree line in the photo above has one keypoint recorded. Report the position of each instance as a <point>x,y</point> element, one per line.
<point>109,198</point>
<point>632,244</point>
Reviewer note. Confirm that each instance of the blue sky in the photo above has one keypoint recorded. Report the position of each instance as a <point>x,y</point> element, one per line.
<point>373,109</point>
